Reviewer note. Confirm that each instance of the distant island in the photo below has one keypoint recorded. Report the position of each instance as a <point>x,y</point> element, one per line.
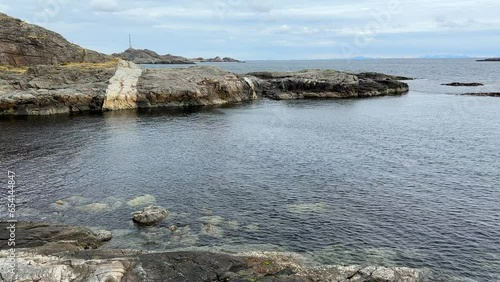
<point>216,60</point>
<point>145,56</point>
<point>489,60</point>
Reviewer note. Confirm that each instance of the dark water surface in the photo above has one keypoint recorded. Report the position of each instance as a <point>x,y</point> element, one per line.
<point>410,181</point>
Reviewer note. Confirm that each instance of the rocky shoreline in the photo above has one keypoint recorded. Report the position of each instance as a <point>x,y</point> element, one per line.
<point>119,85</point>
<point>54,252</point>
<point>41,73</point>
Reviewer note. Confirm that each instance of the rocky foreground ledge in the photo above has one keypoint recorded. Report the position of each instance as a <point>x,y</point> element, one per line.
<point>53,252</point>
<point>118,85</point>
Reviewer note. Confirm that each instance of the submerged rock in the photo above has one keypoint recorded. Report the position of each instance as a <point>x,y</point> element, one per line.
<point>95,207</point>
<point>212,230</point>
<point>215,220</point>
<point>142,201</point>
<point>307,208</point>
<point>150,216</point>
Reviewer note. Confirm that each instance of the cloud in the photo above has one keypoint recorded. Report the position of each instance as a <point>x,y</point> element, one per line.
<point>104,5</point>
<point>274,29</point>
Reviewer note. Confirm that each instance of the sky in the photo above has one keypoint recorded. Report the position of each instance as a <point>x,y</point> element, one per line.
<point>273,29</point>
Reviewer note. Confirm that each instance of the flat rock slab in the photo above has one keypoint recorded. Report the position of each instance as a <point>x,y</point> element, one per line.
<point>471,84</point>
<point>30,235</point>
<point>485,94</point>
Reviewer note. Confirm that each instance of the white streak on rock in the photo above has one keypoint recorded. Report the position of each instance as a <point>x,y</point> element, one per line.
<point>122,90</point>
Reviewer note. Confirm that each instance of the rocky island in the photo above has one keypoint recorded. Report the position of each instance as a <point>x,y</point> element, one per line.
<point>466,84</point>
<point>489,60</point>
<point>150,57</point>
<point>217,60</point>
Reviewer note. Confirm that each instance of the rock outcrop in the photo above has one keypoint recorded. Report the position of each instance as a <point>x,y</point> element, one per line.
<point>197,86</point>
<point>43,90</point>
<point>150,57</point>
<point>472,84</point>
<point>32,235</point>
<point>46,252</point>
<point>322,84</point>
<point>23,44</point>
<point>123,85</point>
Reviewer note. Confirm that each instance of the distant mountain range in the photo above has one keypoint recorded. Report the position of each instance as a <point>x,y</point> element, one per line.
<point>146,56</point>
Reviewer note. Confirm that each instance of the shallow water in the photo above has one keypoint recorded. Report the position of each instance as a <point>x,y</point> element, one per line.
<point>411,180</point>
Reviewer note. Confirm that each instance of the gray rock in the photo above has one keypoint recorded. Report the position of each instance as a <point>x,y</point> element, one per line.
<point>463,84</point>
<point>103,235</point>
<point>24,44</point>
<point>322,84</point>
<point>150,216</point>
<point>46,253</point>
<point>30,235</point>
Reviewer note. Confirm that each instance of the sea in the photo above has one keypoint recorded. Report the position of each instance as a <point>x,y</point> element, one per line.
<point>411,180</point>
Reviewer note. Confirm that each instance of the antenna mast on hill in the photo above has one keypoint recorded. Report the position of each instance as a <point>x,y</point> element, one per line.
<point>130,41</point>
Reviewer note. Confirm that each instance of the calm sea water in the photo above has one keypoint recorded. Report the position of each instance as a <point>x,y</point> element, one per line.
<point>410,181</point>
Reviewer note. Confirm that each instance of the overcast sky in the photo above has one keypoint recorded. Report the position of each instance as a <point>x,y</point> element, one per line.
<point>273,29</point>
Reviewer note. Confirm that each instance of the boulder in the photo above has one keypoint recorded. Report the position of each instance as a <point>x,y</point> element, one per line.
<point>103,235</point>
<point>150,216</point>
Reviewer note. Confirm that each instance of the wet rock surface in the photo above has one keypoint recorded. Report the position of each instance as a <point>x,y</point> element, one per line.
<point>150,216</point>
<point>53,252</point>
<point>29,235</point>
<point>24,44</point>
